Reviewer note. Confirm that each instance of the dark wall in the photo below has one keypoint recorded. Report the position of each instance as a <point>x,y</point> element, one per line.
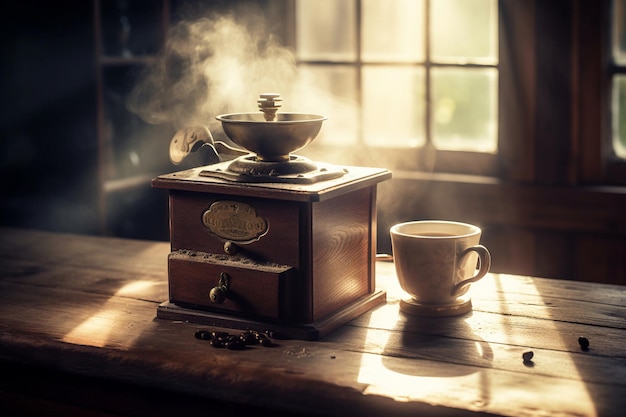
<point>47,116</point>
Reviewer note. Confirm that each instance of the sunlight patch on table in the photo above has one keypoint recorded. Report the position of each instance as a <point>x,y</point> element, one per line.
<point>95,330</point>
<point>488,381</point>
<point>98,329</point>
<point>135,288</point>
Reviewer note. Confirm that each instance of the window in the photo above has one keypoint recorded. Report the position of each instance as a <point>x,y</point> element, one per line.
<point>404,85</point>
<point>542,79</point>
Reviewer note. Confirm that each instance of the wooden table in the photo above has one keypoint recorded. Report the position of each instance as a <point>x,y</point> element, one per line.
<point>78,336</point>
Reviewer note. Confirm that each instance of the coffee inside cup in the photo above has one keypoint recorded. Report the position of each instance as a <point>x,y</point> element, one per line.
<point>435,229</point>
<point>435,234</point>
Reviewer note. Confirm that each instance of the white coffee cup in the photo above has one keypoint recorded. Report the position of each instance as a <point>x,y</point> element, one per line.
<point>436,261</point>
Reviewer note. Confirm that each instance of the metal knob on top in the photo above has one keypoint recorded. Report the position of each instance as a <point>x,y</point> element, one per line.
<point>269,103</point>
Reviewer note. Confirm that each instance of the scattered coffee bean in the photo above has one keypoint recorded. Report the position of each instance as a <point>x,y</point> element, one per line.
<point>528,356</point>
<point>236,344</point>
<point>248,338</point>
<point>222,339</point>
<point>219,335</point>
<point>217,343</point>
<point>583,342</point>
<point>203,335</point>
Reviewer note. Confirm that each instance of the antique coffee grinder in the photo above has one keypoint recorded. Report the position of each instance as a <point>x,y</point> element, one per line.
<point>269,240</point>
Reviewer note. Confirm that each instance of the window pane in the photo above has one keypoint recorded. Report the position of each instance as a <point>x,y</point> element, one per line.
<point>619,115</point>
<point>393,31</point>
<point>330,90</point>
<point>464,110</point>
<point>325,30</point>
<point>619,31</point>
<point>393,106</point>
<point>464,31</point>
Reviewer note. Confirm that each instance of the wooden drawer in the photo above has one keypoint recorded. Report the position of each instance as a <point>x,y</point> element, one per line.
<point>258,289</point>
<point>280,244</point>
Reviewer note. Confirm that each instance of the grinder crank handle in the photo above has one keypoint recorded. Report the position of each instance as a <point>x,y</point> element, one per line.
<point>198,141</point>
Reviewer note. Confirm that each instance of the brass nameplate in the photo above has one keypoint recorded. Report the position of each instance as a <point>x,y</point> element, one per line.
<point>234,220</point>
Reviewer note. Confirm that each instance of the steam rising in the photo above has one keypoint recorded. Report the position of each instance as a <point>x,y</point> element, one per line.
<point>212,66</point>
<point>216,65</point>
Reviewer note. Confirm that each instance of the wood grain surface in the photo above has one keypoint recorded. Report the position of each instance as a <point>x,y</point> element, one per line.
<point>84,307</point>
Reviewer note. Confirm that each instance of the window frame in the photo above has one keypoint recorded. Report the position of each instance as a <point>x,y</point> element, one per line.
<point>570,147</point>
<point>593,69</point>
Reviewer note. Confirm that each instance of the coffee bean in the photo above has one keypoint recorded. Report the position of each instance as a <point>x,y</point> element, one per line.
<point>237,344</point>
<point>217,343</point>
<point>583,342</point>
<point>219,335</point>
<point>248,338</point>
<point>527,356</point>
<point>222,339</point>
<point>203,335</point>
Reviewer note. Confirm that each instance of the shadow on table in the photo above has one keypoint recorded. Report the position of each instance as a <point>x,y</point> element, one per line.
<point>444,340</point>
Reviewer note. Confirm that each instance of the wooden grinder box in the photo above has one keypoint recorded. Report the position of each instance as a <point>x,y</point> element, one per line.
<point>292,258</point>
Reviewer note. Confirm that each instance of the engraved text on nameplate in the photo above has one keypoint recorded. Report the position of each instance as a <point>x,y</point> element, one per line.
<point>234,220</point>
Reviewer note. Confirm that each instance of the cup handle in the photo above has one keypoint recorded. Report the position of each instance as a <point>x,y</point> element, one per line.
<point>484,258</point>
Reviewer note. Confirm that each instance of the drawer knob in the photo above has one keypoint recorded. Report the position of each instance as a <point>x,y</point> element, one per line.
<point>217,295</point>
<point>230,248</point>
